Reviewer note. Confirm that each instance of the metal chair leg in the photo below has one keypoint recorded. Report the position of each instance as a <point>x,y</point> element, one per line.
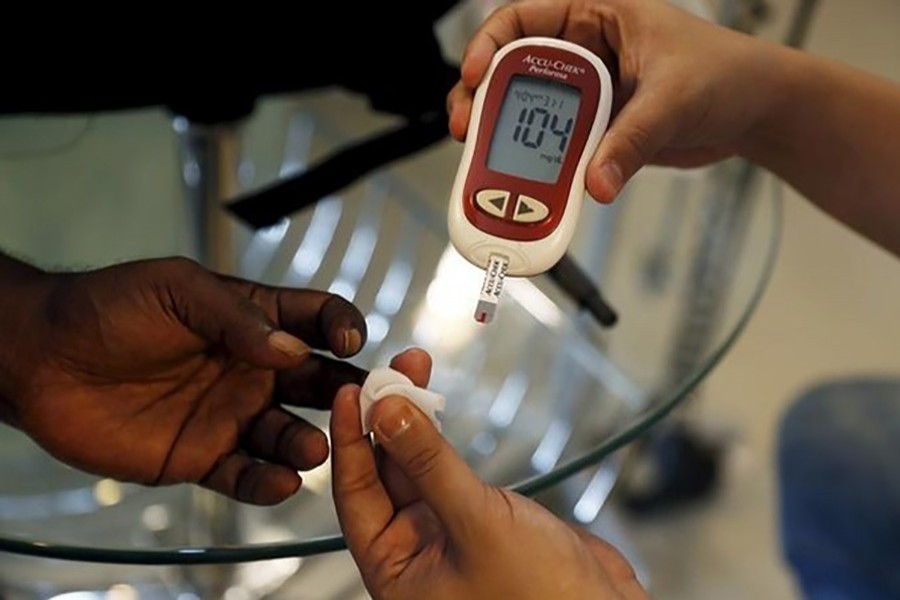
<point>210,157</point>
<point>210,161</point>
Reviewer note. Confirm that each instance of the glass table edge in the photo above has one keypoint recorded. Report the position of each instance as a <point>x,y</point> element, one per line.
<point>532,486</point>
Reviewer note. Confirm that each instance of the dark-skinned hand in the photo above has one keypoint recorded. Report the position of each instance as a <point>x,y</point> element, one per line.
<point>160,372</point>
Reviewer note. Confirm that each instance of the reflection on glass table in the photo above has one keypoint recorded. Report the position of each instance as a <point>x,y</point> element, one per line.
<point>541,395</point>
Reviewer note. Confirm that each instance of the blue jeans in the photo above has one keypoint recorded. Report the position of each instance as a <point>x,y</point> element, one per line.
<point>839,472</point>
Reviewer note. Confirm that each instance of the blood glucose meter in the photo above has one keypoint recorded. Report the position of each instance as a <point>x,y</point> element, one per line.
<point>537,118</point>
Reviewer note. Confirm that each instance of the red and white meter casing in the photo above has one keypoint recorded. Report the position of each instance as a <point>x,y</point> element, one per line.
<point>536,120</point>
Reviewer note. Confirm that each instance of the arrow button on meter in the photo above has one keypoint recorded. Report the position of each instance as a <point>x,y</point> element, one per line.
<point>530,210</point>
<point>493,202</point>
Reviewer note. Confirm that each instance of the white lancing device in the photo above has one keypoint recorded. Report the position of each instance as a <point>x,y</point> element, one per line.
<point>537,118</point>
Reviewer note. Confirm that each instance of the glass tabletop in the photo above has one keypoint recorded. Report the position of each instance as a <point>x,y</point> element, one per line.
<point>543,394</point>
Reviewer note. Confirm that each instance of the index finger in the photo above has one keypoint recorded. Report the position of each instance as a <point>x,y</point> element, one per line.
<point>326,320</point>
<point>415,363</point>
<point>320,319</point>
<point>508,24</point>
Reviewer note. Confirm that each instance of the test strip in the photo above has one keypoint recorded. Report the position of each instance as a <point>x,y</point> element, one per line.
<point>494,276</point>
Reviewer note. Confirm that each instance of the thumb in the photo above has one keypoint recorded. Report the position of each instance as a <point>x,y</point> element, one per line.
<point>214,311</point>
<point>642,128</point>
<point>443,480</point>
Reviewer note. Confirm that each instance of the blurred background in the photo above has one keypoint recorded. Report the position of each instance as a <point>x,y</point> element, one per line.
<point>829,312</point>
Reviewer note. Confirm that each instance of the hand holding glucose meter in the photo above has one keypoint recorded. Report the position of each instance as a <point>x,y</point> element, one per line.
<point>536,120</point>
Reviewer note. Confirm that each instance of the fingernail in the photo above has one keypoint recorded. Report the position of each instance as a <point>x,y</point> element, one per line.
<point>393,421</point>
<point>352,341</point>
<point>287,344</point>
<point>611,176</point>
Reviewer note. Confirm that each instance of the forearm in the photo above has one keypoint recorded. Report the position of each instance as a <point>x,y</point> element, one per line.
<point>21,289</point>
<point>833,133</point>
